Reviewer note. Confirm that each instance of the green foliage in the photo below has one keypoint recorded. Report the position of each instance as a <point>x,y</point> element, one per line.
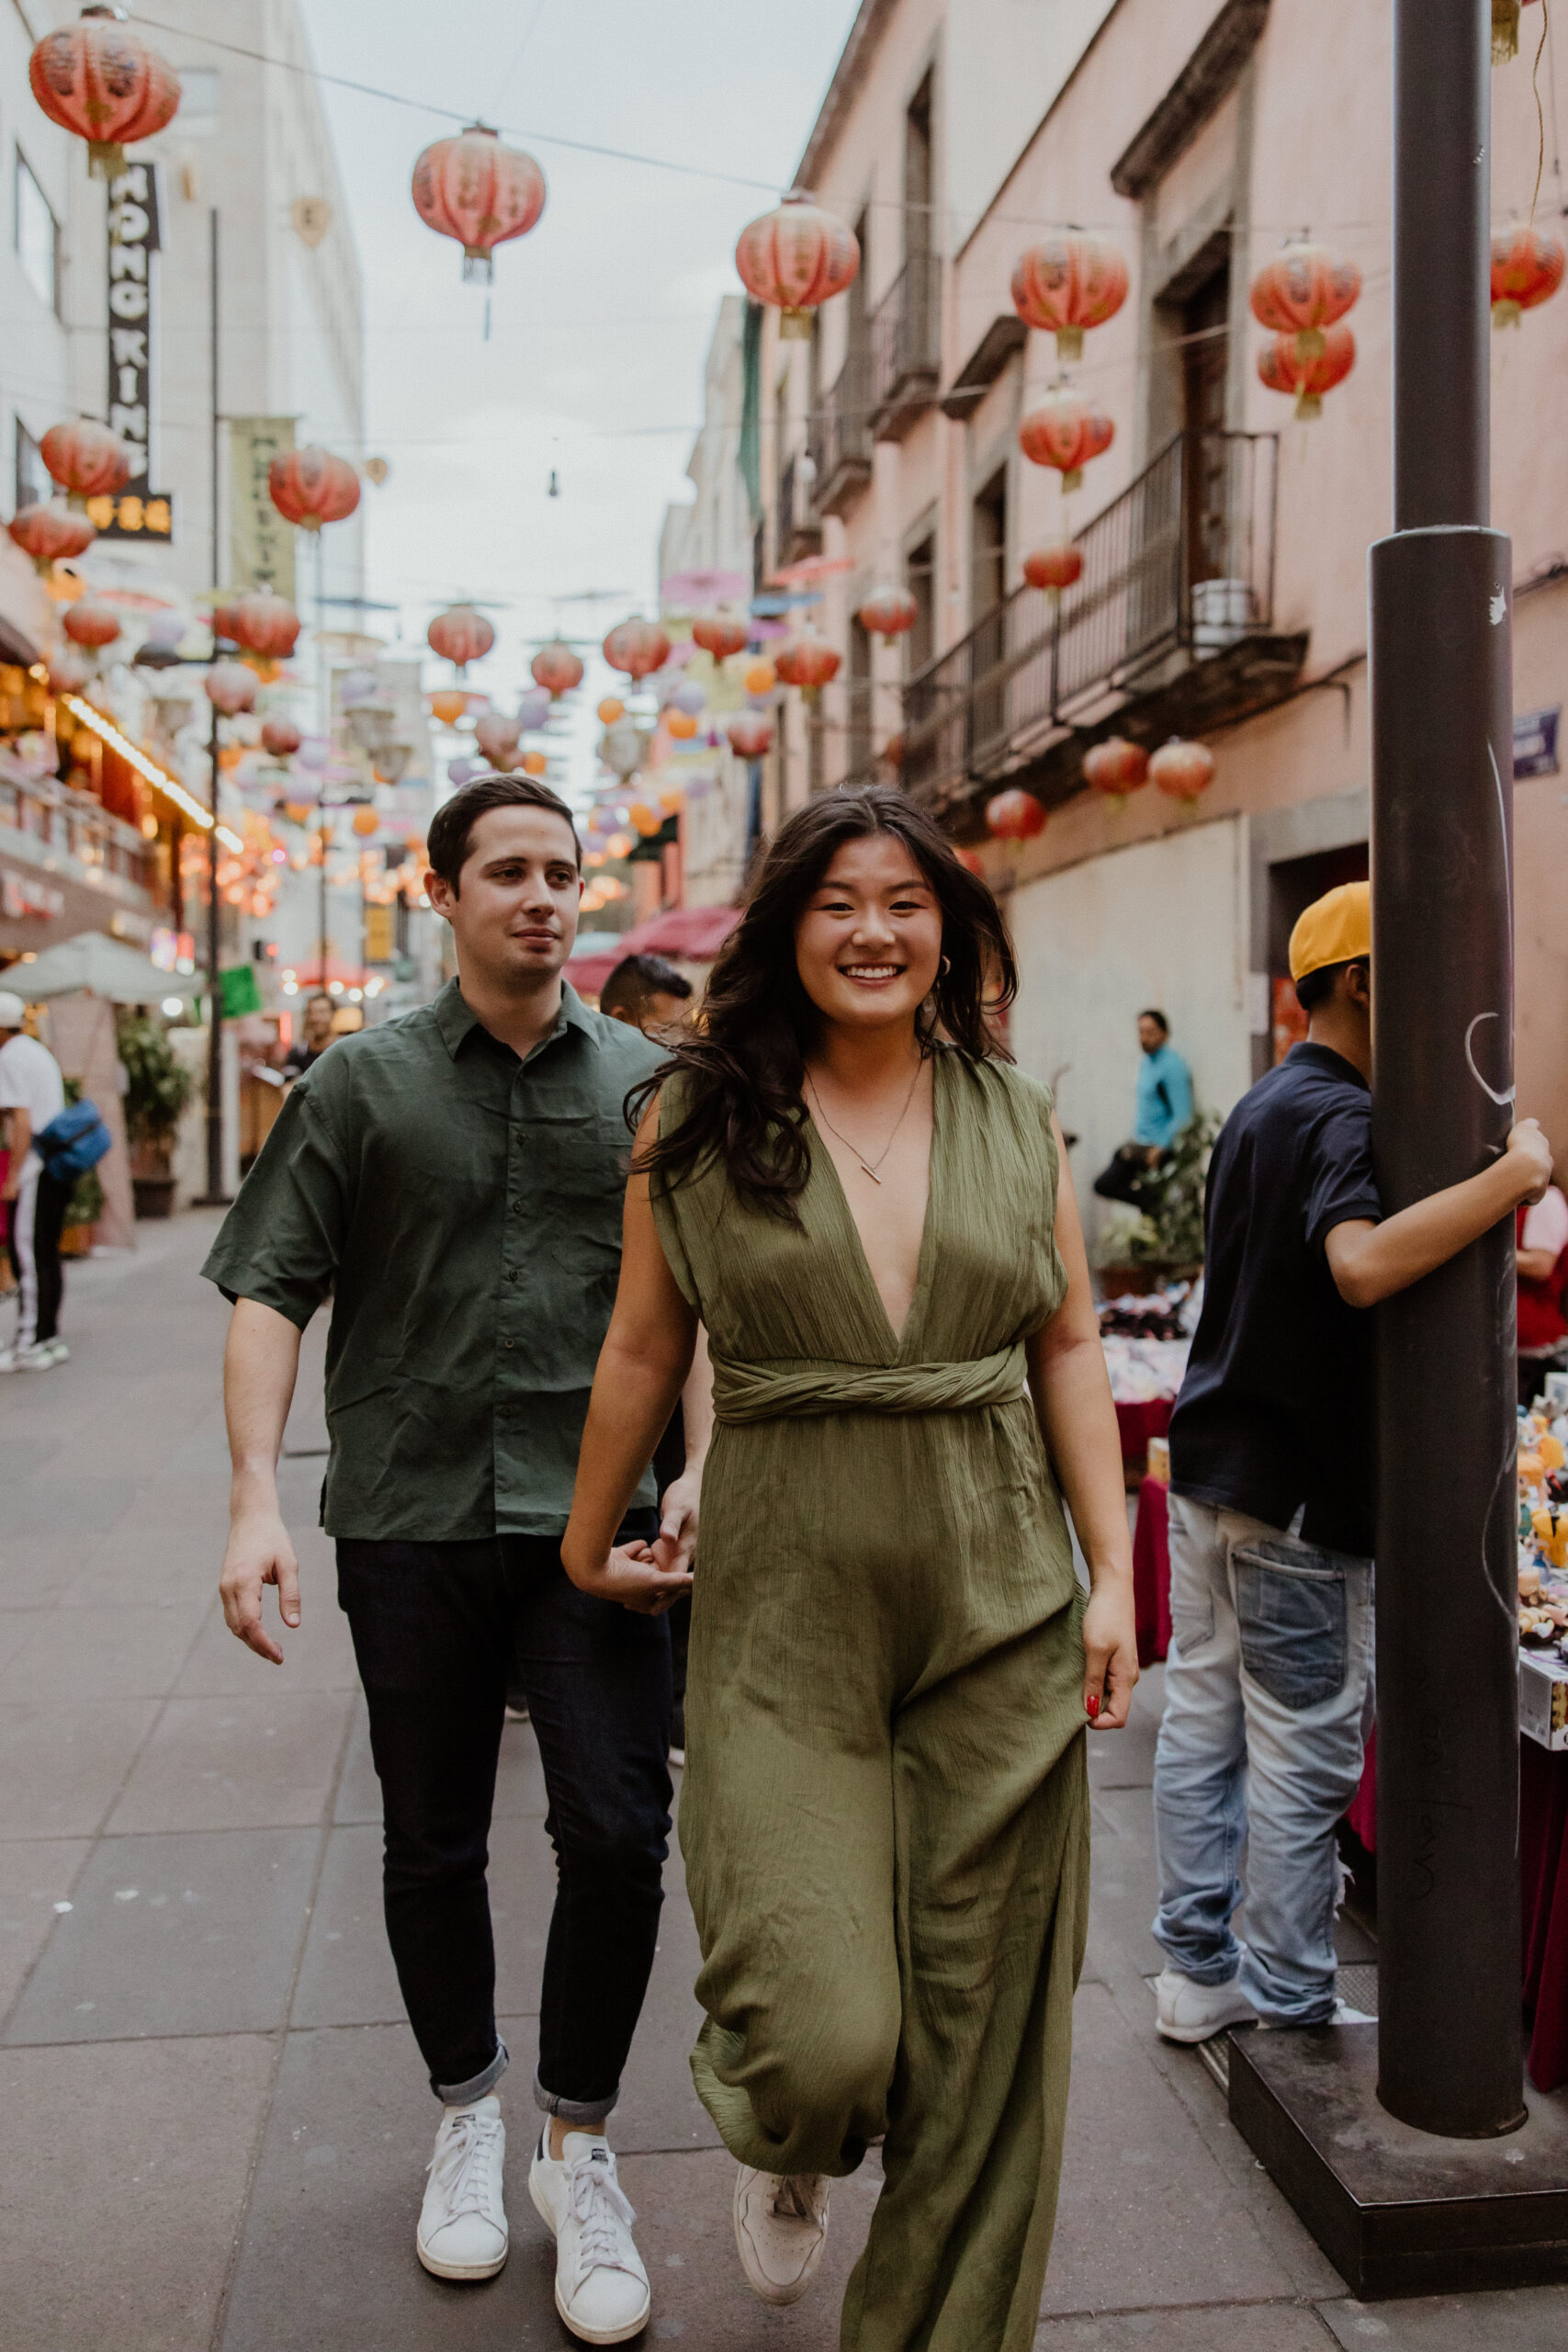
<point>160,1085</point>
<point>1170,1231</point>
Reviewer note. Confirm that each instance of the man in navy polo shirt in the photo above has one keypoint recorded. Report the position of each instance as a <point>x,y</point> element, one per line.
<point>1271,1506</point>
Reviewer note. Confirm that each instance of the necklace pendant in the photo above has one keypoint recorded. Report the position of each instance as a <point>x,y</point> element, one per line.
<point>872,1174</point>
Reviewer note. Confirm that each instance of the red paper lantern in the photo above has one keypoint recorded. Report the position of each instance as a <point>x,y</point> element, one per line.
<point>231,687</point>
<point>972,863</point>
<point>86,459</point>
<point>281,738</point>
<point>498,739</point>
<point>1115,768</point>
<point>808,663</point>
<point>1070,282</point>
<point>1066,431</point>
<point>718,636</point>
<point>887,612</point>
<point>460,635</point>
<point>1282,369</point>
<point>474,189</point>
<point>50,534</point>
<point>1015,816</point>
<point>1183,770</point>
<point>794,258</point>
<point>90,623</point>
<point>556,668</point>
<point>1526,268</point>
<point>99,80</point>
<point>750,734</point>
<point>309,487</point>
<point>1302,291</point>
<point>1054,568</point>
<point>638,647</point>
<point>264,624</point>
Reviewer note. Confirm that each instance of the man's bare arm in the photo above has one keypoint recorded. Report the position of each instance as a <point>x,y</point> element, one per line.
<point>19,1128</point>
<point>1370,1262</point>
<point>260,1365</point>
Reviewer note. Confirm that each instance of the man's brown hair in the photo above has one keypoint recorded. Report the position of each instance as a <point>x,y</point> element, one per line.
<point>452,826</point>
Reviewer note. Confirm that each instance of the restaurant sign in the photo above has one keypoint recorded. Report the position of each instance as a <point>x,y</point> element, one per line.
<point>139,513</point>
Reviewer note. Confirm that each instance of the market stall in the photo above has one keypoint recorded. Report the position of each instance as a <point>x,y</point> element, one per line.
<point>1145,1342</point>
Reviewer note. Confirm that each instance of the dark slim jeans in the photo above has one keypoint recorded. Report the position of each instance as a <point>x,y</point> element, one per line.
<point>439,1630</point>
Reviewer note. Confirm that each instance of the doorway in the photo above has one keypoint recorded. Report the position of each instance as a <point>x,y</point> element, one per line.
<point>1293,884</point>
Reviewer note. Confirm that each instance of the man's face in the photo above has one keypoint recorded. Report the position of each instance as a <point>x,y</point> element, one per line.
<point>514,914</point>
<point>318,1023</point>
<point>1151,1037</point>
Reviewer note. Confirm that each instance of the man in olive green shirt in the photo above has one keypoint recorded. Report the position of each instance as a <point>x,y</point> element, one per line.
<point>454,1180</point>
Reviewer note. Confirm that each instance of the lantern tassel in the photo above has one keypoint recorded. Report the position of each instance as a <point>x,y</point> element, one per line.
<point>795,326</point>
<point>106,159</point>
<point>1069,343</point>
<point>478,268</point>
<point>1505,30</point>
<point>1308,406</point>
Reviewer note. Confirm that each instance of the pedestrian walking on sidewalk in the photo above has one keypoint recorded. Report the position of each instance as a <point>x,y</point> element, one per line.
<point>32,1096</point>
<point>454,1179</point>
<point>885,1816</point>
<point>1268,1678</point>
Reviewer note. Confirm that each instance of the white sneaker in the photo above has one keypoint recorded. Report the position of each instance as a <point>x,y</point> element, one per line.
<point>1191,2012</point>
<point>40,1357</point>
<point>781,2227</point>
<point>462,2223</point>
<point>601,2288</point>
<point>59,1350</point>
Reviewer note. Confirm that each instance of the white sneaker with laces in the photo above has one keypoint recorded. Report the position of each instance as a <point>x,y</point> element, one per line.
<point>59,1350</point>
<point>781,2227</point>
<point>462,2224</point>
<point>602,2289</point>
<point>35,1358</point>
<point>1191,2012</point>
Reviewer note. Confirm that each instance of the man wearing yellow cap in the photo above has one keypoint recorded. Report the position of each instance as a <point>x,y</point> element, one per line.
<point>1272,1511</point>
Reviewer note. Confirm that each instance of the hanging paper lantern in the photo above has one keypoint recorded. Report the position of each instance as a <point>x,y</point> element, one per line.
<point>298,812</point>
<point>535,764</point>
<point>309,487</point>
<point>556,668</point>
<point>460,635</point>
<point>281,738</point>
<point>264,624</point>
<point>1015,816</point>
<point>1183,770</point>
<point>1283,370</point>
<point>611,708</point>
<point>887,612</point>
<point>794,259</point>
<point>497,739</point>
<point>1066,431</point>
<point>1302,291</point>
<point>972,863</point>
<point>449,704</point>
<point>473,189</point>
<point>68,673</point>
<point>98,79</point>
<point>690,698</point>
<point>681,724</point>
<point>808,664</point>
<point>1070,282</point>
<point>231,687</point>
<point>364,821</point>
<point>1054,568</point>
<point>1526,268</point>
<point>86,459</point>
<point>1115,768</point>
<point>622,748</point>
<point>533,709</point>
<point>1506,29</point>
<point>761,678</point>
<point>644,820</point>
<point>750,734</point>
<point>50,534</point>
<point>461,772</point>
<point>718,636</point>
<point>87,622</point>
<point>638,647</point>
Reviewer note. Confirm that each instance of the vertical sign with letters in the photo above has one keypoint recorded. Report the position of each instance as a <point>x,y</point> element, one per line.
<point>139,512</point>
<point>261,544</point>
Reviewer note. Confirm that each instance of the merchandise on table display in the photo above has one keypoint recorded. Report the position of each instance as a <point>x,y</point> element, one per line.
<point>1543,1567</point>
<point>1147,1342</point>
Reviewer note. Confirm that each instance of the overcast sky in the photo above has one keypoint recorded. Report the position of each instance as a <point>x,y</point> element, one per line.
<point>598,318</point>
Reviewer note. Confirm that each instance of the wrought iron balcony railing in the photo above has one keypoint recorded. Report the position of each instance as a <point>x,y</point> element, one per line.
<point>1177,569</point>
<point>839,439</point>
<point>906,354</point>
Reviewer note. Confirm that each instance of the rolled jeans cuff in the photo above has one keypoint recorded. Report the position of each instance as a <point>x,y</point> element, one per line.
<point>574,2110</point>
<point>463,2094</point>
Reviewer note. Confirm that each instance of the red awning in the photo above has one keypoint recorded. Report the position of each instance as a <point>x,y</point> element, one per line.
<point>693,934</point>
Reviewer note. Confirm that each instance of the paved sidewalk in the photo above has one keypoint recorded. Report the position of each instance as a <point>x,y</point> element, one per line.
<point>215,2122</point>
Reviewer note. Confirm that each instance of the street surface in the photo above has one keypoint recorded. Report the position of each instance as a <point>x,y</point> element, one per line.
<point>215,2120</point>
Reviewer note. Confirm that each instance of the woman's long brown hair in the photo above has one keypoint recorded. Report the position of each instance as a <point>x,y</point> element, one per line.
<point>743,1068</point>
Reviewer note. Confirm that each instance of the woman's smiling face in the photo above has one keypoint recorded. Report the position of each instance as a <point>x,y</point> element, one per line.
<point>868,946</point>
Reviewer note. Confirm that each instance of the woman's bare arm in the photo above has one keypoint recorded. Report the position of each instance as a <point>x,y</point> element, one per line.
<point>1077,1421</point>
<point>645,1360</point>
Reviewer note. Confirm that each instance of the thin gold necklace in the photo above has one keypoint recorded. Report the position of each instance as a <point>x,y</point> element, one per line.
<point>870,1166</point>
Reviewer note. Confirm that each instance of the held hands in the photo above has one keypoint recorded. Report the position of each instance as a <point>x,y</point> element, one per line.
<point>259,1554</point>
<point>632,1574</point>
<point>1110,1654</point>
<point>1531,1154</point>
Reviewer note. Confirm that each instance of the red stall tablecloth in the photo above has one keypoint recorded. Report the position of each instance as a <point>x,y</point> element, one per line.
<point>1151,1570</point>
<point>1137,1424</point>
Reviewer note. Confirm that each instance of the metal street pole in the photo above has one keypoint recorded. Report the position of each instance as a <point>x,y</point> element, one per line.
<point>1448,2051</point>
<point>215,1195</point>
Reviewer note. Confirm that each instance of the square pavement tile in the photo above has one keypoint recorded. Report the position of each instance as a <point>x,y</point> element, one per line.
<point>1125,1882</point>
<point>122,2179</point>
<point>76,1654</point>
<point>34,1877</point>
<point>1247,2327</point>
<point>81,1502</point>
<point>318,1654</point>
<point>265,1762</point>
<point>35,1569</point>
<point>134,1568</point>
<point>62,1767</point>
<point>180,1935</point>
<point>1525,2319</point>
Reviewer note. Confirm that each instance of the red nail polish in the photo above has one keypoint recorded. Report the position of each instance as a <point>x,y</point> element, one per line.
<point>1091,1705</point>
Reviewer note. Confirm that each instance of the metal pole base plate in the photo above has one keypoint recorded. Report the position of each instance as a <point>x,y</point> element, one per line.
<point>1396,2210</point>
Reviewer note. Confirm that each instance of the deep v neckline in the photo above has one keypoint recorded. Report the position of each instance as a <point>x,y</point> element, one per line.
<point>824,1166</point>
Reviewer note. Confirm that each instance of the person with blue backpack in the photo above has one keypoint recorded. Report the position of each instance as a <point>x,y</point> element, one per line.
<point>48,1145</point>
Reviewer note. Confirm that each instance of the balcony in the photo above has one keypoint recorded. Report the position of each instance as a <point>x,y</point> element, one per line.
<point>905,347</point>
<point>839,439</point>
<point>1169,629</point>
<point>800,533</point>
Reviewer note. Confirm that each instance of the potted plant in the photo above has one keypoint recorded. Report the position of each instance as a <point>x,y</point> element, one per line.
<point>157,1090</point>
<point>1164,1240</point>
<point>86,1205</point>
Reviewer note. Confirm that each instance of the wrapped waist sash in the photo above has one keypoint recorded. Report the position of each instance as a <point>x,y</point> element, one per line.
<point>788,1387</point>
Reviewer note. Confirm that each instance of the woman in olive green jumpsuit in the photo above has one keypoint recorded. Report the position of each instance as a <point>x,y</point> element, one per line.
<point>885,1813</point>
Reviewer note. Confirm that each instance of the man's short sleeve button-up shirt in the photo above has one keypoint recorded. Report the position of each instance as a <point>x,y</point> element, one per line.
<point>464,1209</point>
